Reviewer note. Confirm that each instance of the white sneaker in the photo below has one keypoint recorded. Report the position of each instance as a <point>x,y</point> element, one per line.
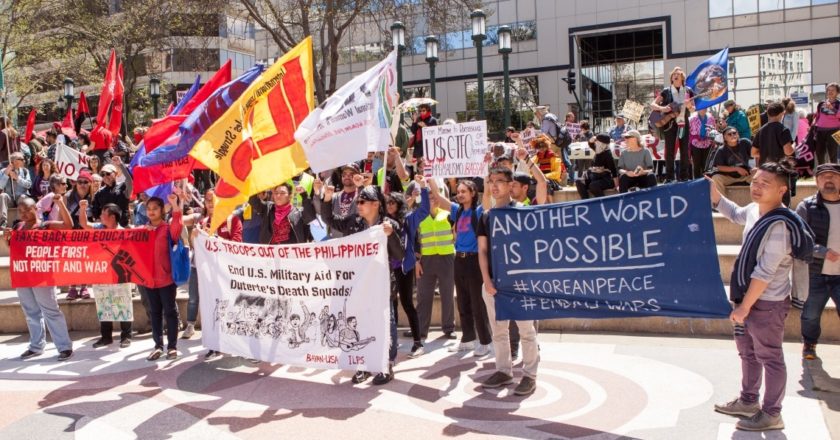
<point>189,331</point>
<point>464,346</point>
<point>482,350</point>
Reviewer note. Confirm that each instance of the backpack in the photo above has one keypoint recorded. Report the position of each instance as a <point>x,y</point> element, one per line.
<point>563,139</point>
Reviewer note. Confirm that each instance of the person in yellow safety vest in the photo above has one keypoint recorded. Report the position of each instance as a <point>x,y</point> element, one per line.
<point>305,180</point>
<point>436,266</point>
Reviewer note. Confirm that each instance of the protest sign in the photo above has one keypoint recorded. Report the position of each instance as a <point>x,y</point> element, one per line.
<point>455,150</point>
<point>645,253</point>
<point>633,111</point>
<point>574,129</point>
<point>318,305</point>
<point>836,137</point>
<point>754,117</point>
<point>113,302</point>
<point>69,161</point>
<point>73,257</point>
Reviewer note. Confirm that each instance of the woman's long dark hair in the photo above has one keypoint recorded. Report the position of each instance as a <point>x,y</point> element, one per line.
<point>474,203</point>
<point>399,199</point>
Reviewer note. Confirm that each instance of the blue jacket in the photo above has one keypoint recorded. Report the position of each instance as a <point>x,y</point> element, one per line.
<point>412,222</point>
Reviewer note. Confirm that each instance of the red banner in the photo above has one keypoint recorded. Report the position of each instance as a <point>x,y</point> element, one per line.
<point>73,257</point>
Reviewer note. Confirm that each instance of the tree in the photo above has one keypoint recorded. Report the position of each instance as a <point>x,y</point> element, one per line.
<point>328,22</point>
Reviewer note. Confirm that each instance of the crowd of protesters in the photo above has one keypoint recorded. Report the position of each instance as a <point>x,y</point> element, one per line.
<point>438,238</point>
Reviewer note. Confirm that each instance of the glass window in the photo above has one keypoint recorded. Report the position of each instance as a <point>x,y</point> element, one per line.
<point>720,8</point>
<point>770,5</point>
<point>779,75</point>
<point>524,96</point>
<point>797,3</point>
<point>822,2</point>
<point>745,7</point>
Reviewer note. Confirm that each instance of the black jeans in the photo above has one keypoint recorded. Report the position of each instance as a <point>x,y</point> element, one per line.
<point>698,160</point>
<point>404,284</point>
<point>826,145</point>
<point>471,307</point>
<point>626,182</point>
<point>670,136</point>
<point>106,330</point>
<point>163,305</point>
<point>596,187</point>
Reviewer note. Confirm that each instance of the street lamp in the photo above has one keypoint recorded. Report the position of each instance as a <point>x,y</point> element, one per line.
<point>69,92</point>
<point>479,22</point>
<point>398,39</point>
<point>505,50</point>
<point>154,93</point>
<point>432,58</point>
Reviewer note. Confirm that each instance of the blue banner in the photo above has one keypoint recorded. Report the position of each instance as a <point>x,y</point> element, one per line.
<point>644,253</point>
<point>709,80</point>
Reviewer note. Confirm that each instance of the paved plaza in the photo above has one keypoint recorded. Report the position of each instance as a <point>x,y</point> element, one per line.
<point>589,387</point>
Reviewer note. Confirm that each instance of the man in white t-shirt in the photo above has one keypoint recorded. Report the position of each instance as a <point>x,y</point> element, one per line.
<point>822,213</point>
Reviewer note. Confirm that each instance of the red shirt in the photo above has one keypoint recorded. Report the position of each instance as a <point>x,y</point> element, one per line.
<point>162,274</point>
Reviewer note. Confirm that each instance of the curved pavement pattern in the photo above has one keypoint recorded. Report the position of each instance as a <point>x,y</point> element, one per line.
<point>589,387</point>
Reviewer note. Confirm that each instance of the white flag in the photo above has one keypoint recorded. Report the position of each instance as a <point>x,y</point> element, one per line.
<point>356,119</point>
<point>69,161</point>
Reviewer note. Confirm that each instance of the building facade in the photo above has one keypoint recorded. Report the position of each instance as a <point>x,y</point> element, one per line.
<point>619,49</point>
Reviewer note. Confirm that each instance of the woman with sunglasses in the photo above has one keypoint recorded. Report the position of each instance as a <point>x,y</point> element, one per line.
<point>81,191</point>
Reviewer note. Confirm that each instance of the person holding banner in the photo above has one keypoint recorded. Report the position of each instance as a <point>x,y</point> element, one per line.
<point>499,180</point>
<point>761,289</point>
<point>282,222</point>
<point>402,271</point>
<point>827,123</point>
<point>110,219</point>
<point>371,212</point>
<point>39,303</point>
<point>161,289</point>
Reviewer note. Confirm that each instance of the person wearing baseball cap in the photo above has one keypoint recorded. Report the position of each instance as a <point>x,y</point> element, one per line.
<point>113,192</point>
<point>619,129</point>
<point>821,211</point>
<point>731,164</point>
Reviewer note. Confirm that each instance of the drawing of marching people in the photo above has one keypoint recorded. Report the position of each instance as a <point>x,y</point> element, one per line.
<point>297,329</point>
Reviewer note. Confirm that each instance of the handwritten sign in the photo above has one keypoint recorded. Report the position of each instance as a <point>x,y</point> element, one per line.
<point>633,111</point>
<point>69,161</point>
<point>754,116</point>
<point>455,150</point>
<point>647,253</point>
<point>113,302</point>
<point>318,305</point>
<point>574,129</point>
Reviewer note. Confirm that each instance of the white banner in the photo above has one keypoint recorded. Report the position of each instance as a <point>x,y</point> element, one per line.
<point>357,118</point>
<point>455,150</point>
<point>69,161</point>
<point>318,305</point>
<point>113,302</point>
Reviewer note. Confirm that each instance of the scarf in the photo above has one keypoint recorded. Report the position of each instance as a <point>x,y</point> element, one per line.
<point>802,243</point>
<point>282,228</point>
<point>703,126</point>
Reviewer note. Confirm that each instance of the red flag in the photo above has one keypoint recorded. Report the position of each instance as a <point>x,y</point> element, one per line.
<point>170,108</point>
<point>83,105</point>
<point>116,112</point>
<point>30,126</point>
<point>108,87</point>
<point>161,129</point>
<point>68,119</point>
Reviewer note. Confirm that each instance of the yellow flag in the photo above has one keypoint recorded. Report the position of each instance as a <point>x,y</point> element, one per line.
<point>252,145</point>
<point>227,200</point>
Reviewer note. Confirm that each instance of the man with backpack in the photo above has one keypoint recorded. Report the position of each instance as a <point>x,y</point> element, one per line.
<point>559,134</point>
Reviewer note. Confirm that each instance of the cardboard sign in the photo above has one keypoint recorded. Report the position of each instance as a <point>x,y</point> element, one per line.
<point>455,150</point>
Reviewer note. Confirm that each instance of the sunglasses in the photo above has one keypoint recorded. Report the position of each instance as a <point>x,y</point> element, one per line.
<point>363,201</point>
<point>104,174</point>
<point>83,182</point>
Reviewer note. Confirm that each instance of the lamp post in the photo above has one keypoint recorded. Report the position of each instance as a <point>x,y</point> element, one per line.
<point>505,50</point>
<point>432,58</point>
<point>398,39</point>
<point>154,93</point>
<point>69,91</point>
<point>479,23</point>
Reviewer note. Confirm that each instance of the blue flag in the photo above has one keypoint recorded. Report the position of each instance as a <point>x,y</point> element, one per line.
<point>709,80</point>
<point>179,145</point>
<point>645,253</point>
<point>163,190</point>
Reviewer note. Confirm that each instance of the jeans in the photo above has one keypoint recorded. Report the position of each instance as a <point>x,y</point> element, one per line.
<point>822,287</point>
<point>40,307</point>
<point>501,342</point>
<point>192,304</point>
<point>471,308</point>
<point>760,349</point>
<point>163,305</point>
<point>392,350</point>
<point>570,171</point>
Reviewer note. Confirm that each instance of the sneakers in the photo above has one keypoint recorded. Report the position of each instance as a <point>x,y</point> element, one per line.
<point>738,407</point>
<point>809,351</point>
<point>83,293</point>
<point>464,346</point>
<point>360,377</point>
<point>526,386</point>
<point>29,354</point>
<point>449,335</point>
<point>761,421</point>
<point>125,343</point>
<point>212,354</point>
<point>408,334</point>
<point>497,380</point>
<point>189,331</point>
<point>65,355</point>
<point>72,294</point>
<point>102,343</point>
<point>416,350</point>
<point>384,377</point>
<point>482,350</point>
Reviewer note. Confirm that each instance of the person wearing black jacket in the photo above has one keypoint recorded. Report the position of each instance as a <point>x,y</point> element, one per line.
<point>370,211</point>
<point>282,223</point>
<point>113,192</point>
<point>603,172</point>
<point>424,118</point>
